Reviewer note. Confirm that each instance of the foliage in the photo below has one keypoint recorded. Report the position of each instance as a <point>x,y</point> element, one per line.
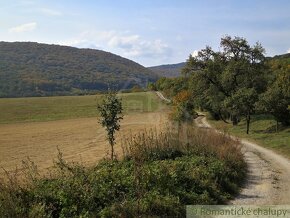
<point>228,82</point>
<point>34,69</point>
<point>205,169</point>
<point>183,99</point>
<point>242,103</point>
<point>171,86</point>
<point>235,82</point>
<point>276,99</point>
<point>183,107</point>
<point>151,86</point>
<point>110,110</point>
<point>137,88</point>
<point>182,96</point>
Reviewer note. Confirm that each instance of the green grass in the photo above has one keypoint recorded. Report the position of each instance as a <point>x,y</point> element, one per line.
<point>262,131</point>
<point>15,110</point>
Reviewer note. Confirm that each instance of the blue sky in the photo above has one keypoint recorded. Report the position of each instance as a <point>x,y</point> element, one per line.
<point>150,32</point>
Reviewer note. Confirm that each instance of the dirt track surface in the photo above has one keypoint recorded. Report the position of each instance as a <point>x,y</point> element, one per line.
<point>80,140</point>
<point>161,96</point>
<point>268,179</point>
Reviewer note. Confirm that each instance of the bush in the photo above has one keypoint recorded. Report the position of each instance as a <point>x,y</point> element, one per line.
<point>159,174</point>
<point>183,109</point>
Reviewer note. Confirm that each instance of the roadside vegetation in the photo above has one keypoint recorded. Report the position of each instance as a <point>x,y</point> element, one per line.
<point>263,132</point>
<point>239,87</point>
<point>160,173</point>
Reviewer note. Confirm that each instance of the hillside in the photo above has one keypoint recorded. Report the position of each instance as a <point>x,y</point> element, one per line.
<point>282,56</point>
<point>168,70</point>
<point>279,64</point>
<point>34,69</point>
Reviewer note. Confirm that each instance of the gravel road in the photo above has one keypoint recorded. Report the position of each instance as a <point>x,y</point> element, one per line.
<point>160,95</point>
<point>268,181</point>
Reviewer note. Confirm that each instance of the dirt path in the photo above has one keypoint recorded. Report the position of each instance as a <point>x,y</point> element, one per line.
<point>161,96</point>
<point>268,179</point>
<point>80,140</point>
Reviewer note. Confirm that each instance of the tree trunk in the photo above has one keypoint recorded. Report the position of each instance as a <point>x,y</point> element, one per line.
<point>277,123</point>
<point>112,150</point>
<point>248,122</point>
<point>234,120</point>
<point>222,118</point>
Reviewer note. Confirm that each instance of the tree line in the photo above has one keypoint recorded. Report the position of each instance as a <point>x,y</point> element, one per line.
<point>235,82</point>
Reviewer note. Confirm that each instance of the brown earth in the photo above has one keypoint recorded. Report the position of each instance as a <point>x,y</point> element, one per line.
<point>81,140</point>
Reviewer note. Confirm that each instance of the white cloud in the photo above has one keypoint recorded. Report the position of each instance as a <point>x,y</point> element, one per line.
<point>80,43</point>
<point>122,43</point>
<point>23,28</point>
<point>194,53</point>
<point>89,39</point>
<point>288,51</point>
<point>135,46</point>
<point>50,12</point>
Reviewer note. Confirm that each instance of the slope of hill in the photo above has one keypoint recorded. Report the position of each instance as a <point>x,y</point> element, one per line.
<point>169,70</point>
<point>282,56</point>
<point>34,69</point>
<point>280,64</point>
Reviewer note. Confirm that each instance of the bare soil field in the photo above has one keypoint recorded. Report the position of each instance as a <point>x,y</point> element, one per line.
<point>81,140</point>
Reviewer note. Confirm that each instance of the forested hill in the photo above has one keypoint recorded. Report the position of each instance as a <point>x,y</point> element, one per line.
<point>34,69</point>
<point>283,56</point>
<point>169,70</point>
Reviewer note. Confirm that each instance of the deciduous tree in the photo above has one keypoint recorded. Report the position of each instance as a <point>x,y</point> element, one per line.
<point>276,100</point>
<point>228,81</point>
<point>110,110</point>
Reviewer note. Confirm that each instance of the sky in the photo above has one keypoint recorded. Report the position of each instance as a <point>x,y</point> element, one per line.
<point>150,32</point>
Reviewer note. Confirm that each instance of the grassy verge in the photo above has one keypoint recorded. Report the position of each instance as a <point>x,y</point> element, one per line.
<point>159,175</point>
<point>14,110</point>
<point>262,132</point>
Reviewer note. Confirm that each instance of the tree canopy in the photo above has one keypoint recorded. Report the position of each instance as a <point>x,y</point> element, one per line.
<point>276,100</point>
<point>235,82</point>
<point>228,81</point>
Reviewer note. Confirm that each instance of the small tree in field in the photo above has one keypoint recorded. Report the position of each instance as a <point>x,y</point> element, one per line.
<point>110,110</point>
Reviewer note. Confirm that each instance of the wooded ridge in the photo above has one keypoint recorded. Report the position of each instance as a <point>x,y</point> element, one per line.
<point>35,69</point>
